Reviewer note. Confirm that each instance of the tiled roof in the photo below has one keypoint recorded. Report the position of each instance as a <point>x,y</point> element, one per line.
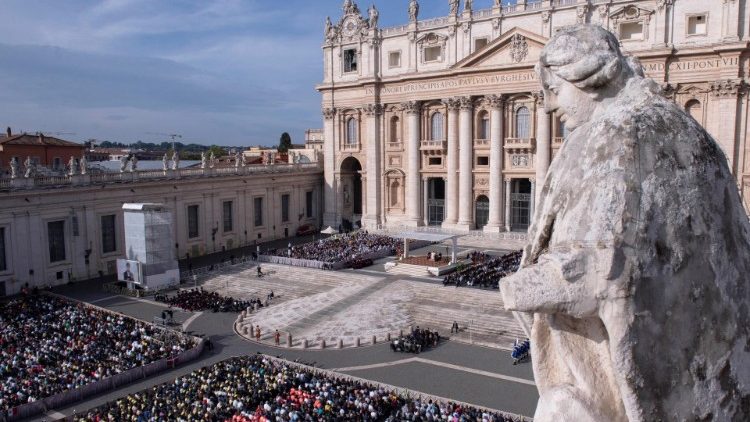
<point>29,139</point>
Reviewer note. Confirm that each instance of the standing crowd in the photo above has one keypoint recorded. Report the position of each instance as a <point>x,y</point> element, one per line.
<point>49,345</point>
<point>342,248</point>
<point>485,270</point>
<point>255,388</point>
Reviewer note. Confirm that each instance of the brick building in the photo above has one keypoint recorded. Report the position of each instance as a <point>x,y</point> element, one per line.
<point>44,150</point>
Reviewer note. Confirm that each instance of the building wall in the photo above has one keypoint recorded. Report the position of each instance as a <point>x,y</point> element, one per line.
<point>391,104</point>
<point>45,154</point>
<point>25,214</point>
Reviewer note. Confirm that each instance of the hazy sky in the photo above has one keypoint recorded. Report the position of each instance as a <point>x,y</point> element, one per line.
<point>229,72</point>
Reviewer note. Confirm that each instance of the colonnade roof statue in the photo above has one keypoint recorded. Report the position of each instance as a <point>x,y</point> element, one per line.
<point>635,286</point>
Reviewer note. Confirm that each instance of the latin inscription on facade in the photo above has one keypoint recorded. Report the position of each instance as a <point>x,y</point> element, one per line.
<point>691,65</point>
<point>439,85</point>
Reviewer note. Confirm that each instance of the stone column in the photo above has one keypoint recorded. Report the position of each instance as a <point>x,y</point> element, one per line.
<point>465,176</point>
<point>532,201</point>
<point>330,215</point>
<point>413,164</point>
<point>543,142</point>
<point>372,219</point>
<point>497,127</point>
<point>507,205</point>
<point>451,185</point>
<point>724,101</point>
<point>426,201</point>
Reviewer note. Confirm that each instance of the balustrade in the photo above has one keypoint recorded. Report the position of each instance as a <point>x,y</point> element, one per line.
<point>433,145</point>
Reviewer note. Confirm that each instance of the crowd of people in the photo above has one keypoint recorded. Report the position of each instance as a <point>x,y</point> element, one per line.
<point>342,248</point>
<point>198,299</point>
<point>485,270</point>
<point>417,341</point>
<point>49,345</point>
<point>255,388</point>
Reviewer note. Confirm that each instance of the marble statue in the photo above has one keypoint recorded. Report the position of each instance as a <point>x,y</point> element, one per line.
<point>72,166</point>
<point>373,14</point>
<point>237,159</point>
<point>468,5</point>
<point>165,162</point>
<point>328,28</point>
<point>175,160</point>
<point>347,7</point>
<point>634,286</point>
<point>84,164</point>
<point>211,160</point>
<point>28,167</point>
<point>13,168</point>
<point>123,163</point>
<point>133,163</point>
<point>497,3</point>
<point>244,160</point>
<point>203,160</point>
<point>413,10</point>
<point>453,6</point>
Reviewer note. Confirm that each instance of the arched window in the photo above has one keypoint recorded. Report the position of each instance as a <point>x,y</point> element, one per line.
<point>395,130</point>
<point>351,131</point>
<point>483,126</point>
<point>523,123</point>
<point>395,194</point>
<point>695,109</point>
<point>436,125</point>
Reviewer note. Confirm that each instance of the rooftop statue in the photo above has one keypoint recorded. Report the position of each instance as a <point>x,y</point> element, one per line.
<point>453,4</point>
<point>634,287</point>
<point>373,14</point>
<point>413,10</point>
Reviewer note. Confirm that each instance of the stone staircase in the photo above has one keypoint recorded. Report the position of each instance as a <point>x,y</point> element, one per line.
<point>408,270</point>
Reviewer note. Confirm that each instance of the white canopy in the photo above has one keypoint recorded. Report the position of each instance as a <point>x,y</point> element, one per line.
<point>429,237</point>
<point>329,230</point>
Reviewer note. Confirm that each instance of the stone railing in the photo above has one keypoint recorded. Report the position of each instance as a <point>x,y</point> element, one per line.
<point>520,143</point>
<point>151,175</point>
<point>394,146</point>
<point>481,143</point>
<point>565,2</point>
<point>433,145</point>
<point>350,147</point>
<point>433,23</point>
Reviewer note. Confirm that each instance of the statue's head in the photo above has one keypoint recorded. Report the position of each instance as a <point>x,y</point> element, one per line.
<point>579,67</point>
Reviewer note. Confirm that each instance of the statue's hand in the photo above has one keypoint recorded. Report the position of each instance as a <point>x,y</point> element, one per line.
<point>557,283</point>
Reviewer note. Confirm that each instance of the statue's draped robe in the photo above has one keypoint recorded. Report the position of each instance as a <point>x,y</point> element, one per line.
<point>636,283</point>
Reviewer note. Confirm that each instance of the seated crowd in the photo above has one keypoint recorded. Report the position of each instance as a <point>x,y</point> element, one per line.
<point>485,270</point>
<point>254,388</point>
<point>342,248</point>
<point>49,345</point>
<point>195,300</point>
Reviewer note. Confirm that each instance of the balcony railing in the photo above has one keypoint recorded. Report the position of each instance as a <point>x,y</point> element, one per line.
<point>481,143</point>
<point>394,146</point>
<point>150,175</point>
<point>350,147</point>
<point>433,145</point>
<point>520,143</point>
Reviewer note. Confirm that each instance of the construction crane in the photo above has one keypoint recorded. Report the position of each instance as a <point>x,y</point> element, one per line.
<point>173,136</point>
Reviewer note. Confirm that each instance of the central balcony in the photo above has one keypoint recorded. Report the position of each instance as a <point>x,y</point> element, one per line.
<point>520,144</point>
<point>350,147</point>
<point>481,143</point>
<point>433,146</point>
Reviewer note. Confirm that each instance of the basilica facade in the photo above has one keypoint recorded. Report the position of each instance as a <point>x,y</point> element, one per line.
<point>441,122</point>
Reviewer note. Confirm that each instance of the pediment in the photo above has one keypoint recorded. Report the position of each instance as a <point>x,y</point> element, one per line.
<point>631,13</point>
<point>516,46</point>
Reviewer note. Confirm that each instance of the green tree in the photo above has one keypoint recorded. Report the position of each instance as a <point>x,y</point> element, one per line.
<point>217,150</point>
<point>285,143</point>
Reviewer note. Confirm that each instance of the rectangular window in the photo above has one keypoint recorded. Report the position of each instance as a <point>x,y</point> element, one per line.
<point>56,239</point>
<point>483,161</point>
<point>631,31</point>
<point>433,54</point>
<point>480,43</point>
<point>435,161</point>
<point>193,223</point>
<point>350,60</point>
<point>697,25</point>
<point>228,218</point>
<point>309,204</point>
<point>285,208</point>
<point>258,208</point>
<point>3,262</point>
<point>109,237</point>
<point>394,59</point>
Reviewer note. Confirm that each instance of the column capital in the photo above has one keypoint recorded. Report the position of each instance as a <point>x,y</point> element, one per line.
<point>412,107</point>
<point>495,101</point>
<point>329,113</point>
<point>465,103</point>
<point>538,98</point>
<point>726,88</point>
<point>452,103</point>
<point>372,109</point>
